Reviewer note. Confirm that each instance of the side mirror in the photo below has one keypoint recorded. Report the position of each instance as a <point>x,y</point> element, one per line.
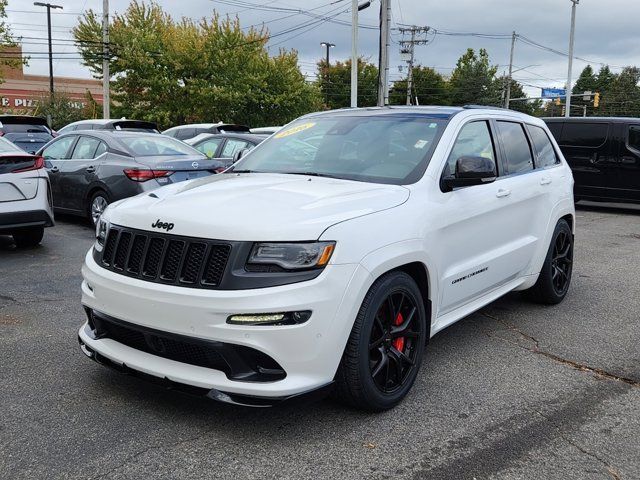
<point>239,154</point>
<point>471,171</point>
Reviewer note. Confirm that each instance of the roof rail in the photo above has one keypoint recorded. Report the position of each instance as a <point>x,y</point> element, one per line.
<point>471,107</point>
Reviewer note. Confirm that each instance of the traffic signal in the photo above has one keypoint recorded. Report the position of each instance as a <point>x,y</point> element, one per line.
<point>596,100</point>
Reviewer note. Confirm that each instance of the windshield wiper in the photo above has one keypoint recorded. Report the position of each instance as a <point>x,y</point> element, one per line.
<point>311,174</point>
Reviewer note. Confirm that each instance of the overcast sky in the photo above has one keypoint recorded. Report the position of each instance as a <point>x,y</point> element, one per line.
<point>607,31</point>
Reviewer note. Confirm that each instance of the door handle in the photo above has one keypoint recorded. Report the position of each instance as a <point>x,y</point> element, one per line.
<point>54,170</point>
<point>503,192</point>
<point>91,169</point>
<point>545,181</point>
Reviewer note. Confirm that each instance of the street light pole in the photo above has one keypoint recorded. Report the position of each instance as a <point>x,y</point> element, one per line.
<point>567,112</point>
<point>327,45</point>
<point>106,100</point>
<point>355,8</point>
<point>354,53</point>
<point>49,6</point>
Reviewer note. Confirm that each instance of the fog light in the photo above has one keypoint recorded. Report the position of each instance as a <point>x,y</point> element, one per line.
<point>286,318</point>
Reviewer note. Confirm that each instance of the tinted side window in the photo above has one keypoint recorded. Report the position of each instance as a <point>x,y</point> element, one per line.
<point>232,146</point>
<point>209,147</point>
<point>85,148</point>
<point>184,133</point>
<point>474,140</point>
<point>59,149</point>
<point>634,137</point>
<point>516,147</point>
<point>546,155</point>
<point>584,134</point>
<point>100,150</point>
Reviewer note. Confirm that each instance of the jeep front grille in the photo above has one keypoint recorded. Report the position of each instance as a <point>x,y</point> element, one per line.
<point>164,258</point>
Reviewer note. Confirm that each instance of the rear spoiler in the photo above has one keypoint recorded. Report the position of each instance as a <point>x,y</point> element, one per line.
<point>124,124</point>
<point>232,127</point>
<point>23,120</point>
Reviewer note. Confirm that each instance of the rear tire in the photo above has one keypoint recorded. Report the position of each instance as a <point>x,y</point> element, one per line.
<point>555,277</point>
<point>384,351</point>
<point>28,237</point>
<point>97,204</point>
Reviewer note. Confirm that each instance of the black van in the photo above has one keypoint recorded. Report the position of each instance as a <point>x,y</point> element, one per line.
<point>604,154</point>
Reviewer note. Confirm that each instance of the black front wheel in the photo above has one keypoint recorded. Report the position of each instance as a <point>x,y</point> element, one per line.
<point>555,277</point>
<point>384,352</point>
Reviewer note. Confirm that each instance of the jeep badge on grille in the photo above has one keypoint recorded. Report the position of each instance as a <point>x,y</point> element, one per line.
<point>163,225</point>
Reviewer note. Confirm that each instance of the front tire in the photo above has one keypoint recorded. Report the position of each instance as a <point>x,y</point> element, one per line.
<point>28,237</point>
<point>555,277</point>
<point>384,352</point>
<point>97,204</point>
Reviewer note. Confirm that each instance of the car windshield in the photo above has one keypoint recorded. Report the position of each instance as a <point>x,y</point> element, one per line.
<point>389,148</point>
<point>151,145</point>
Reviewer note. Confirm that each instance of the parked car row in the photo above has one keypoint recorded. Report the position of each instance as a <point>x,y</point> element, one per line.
<point>95,162</point>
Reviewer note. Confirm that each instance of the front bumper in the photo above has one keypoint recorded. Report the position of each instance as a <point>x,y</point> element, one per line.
<point>309,353</point>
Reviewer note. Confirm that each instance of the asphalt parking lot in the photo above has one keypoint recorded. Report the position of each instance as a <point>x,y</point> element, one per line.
<point>514,391</point>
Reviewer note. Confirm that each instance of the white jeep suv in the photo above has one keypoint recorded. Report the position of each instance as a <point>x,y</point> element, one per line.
<point>25,195</point>
<point>330,254</point>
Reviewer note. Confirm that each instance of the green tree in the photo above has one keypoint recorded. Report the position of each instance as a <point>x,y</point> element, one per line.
<point>175,72</point>
<point>604,82</point>
<point>334,84</point>
<point>587,82</point>
<point>7,42</point>
<point>473,80</point>
<point>623,97</point>
<point>429,88</point>
<point>63,110</point>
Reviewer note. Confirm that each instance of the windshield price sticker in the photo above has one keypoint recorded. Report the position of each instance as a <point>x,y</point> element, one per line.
<point>293,130</point>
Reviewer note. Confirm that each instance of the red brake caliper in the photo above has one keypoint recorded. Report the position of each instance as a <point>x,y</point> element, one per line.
<point>398,343</point>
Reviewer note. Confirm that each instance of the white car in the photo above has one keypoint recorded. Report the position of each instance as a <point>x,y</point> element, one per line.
<point>25,195</point>
<point>330,254</point>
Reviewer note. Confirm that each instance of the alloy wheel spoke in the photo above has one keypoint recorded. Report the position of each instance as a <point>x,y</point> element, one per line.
<point>399,330</point>
<point>400,356</point>
<point>384,360</point>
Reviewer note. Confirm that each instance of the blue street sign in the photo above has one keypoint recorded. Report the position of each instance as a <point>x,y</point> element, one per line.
<point>554,92</point>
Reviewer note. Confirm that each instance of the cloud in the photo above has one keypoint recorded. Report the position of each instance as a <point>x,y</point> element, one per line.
<point>605,31</point>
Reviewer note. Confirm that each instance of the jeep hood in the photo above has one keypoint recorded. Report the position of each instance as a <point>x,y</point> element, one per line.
<point>255,207</point>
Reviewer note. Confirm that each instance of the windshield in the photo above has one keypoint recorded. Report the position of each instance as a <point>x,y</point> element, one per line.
<point>390,148</point>
<point>151,145</point>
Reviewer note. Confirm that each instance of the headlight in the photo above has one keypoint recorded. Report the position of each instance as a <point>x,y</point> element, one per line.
<point>101,232</point>
<point>292,256</point>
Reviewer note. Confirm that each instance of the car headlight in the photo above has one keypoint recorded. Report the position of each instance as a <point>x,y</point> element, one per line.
<point>101,232</point>
<point>292,256</point>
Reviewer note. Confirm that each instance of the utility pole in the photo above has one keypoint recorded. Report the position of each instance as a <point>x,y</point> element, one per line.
<point>383,63</point>
<point>567,112</point>
<point>49,6</point>
<point>510,79</point>
<point>105,59</point>
<point>407,52</point>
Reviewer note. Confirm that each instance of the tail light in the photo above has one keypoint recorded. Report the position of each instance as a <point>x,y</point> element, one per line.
<point>139,175</point>
<point>38,163</point>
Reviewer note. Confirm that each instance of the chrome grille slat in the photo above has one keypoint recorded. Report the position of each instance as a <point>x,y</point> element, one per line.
<point>164,258</point>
